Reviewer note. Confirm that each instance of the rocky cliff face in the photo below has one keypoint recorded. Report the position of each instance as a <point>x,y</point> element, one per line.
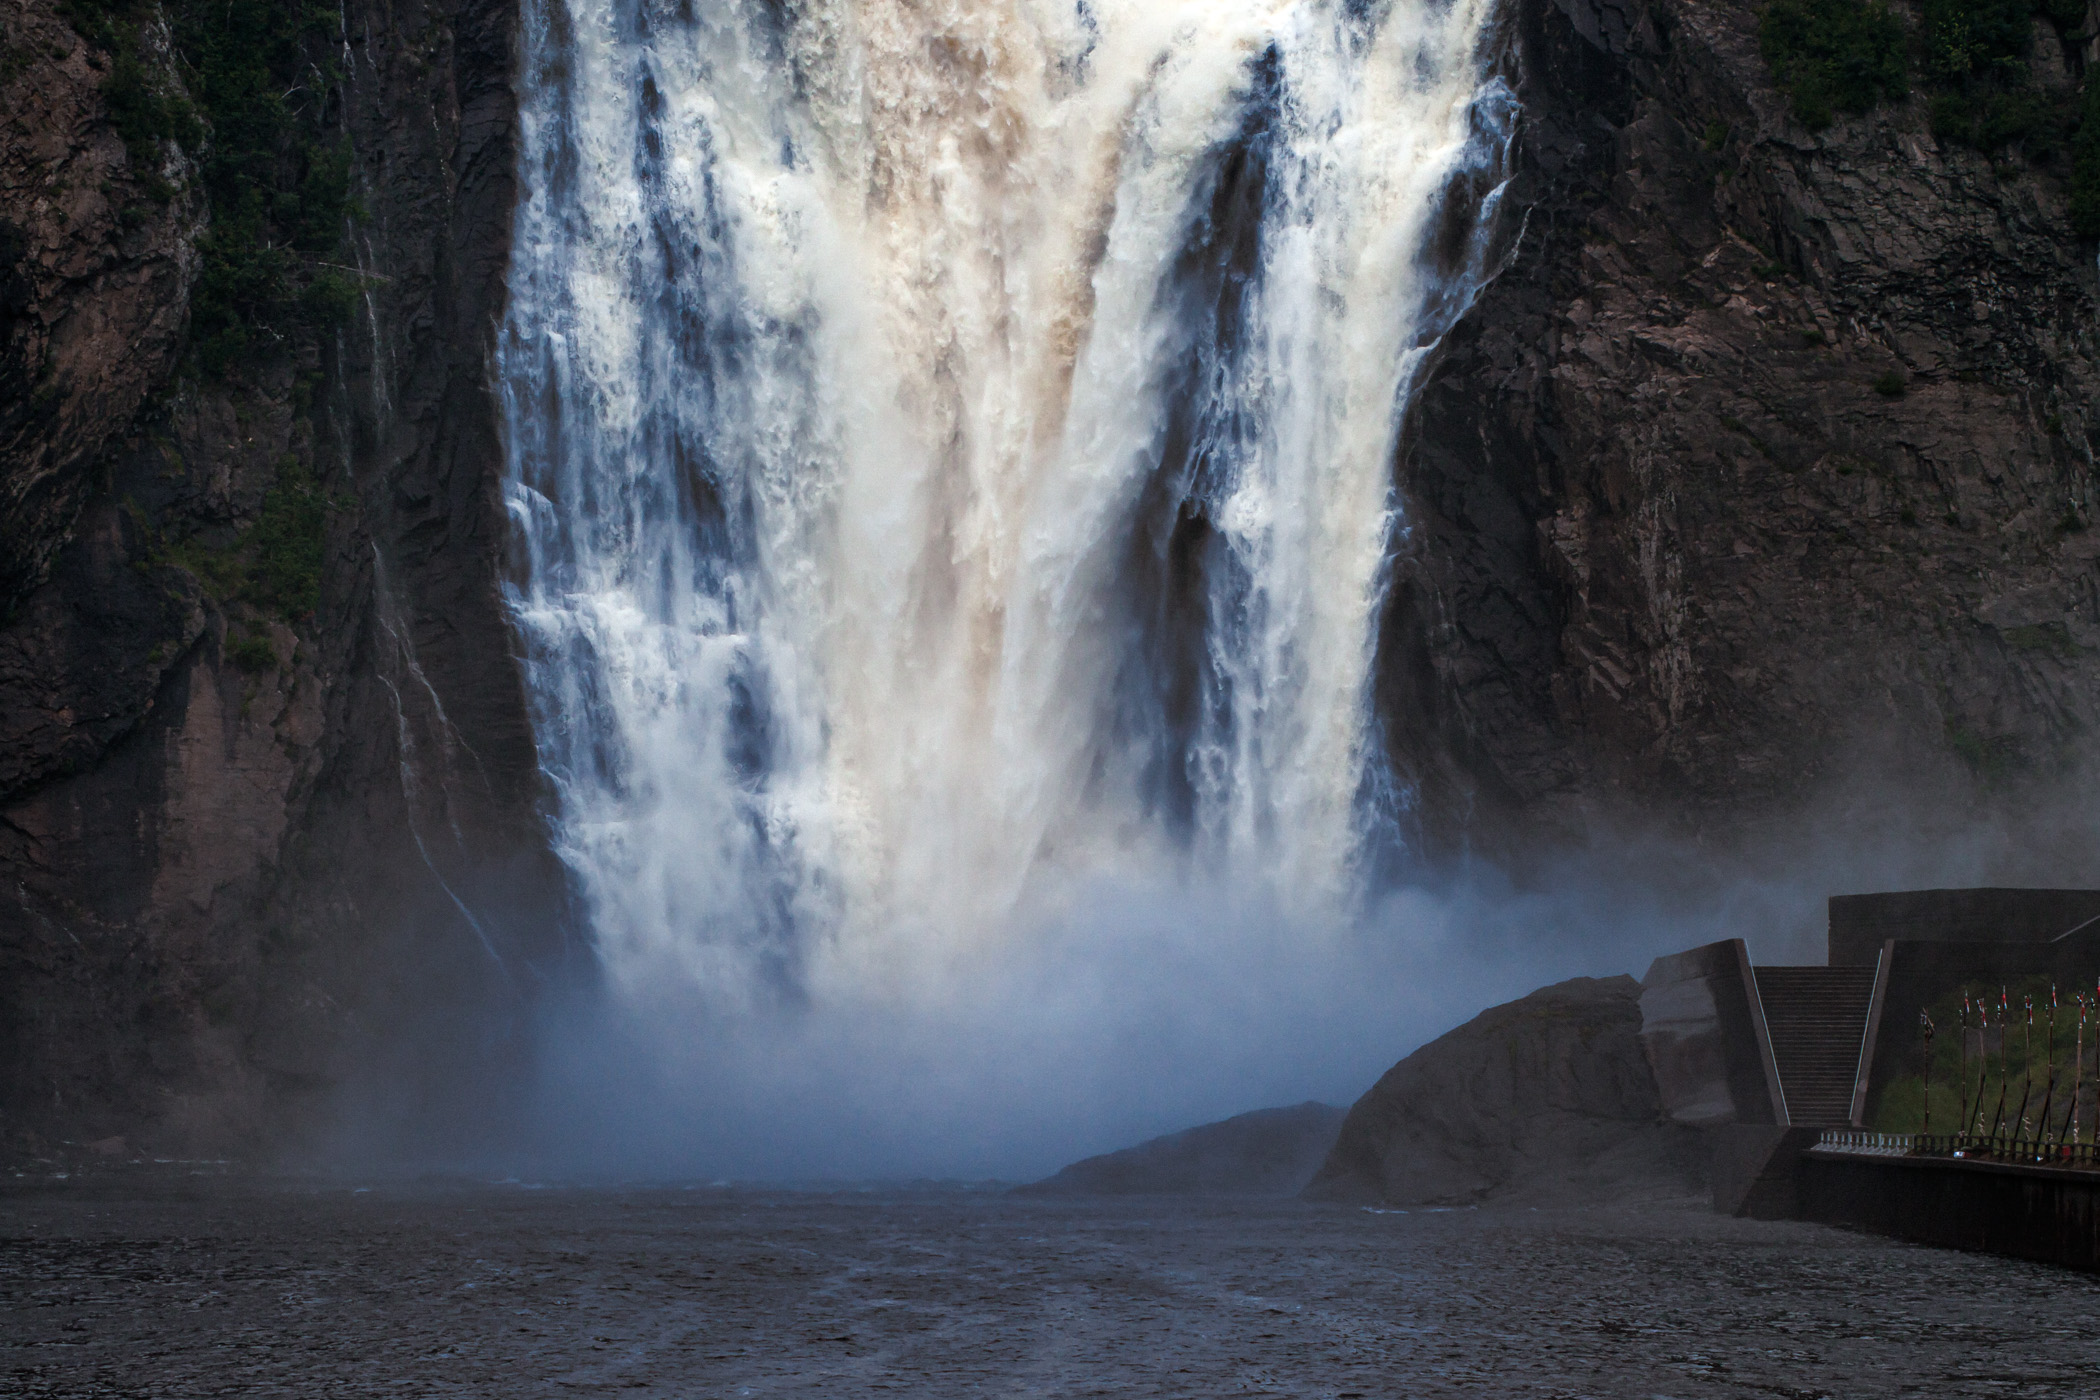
<point>1765,459</point>
<point>250,834</point>
<point>94,279</point>
<point>1765,462</point>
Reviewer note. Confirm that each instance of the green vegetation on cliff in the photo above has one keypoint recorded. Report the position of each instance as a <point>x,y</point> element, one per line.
<point>2085,166</point>
<point>251,103</point>
<point>284,545</point>
<point>1973,58</point>
<point>1834,56</point>
<point>274,565</point>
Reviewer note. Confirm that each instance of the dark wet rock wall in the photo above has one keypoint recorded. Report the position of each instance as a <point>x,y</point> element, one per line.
<point>253,856</point>
<point>1765,463</point>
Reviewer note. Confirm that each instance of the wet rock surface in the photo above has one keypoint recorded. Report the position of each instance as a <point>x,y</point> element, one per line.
<point>97,252</point>
<point>1548,1098</point>
<point>188,1290</point>
<point>1269,1152</point>
<point>245,849</point>
<point>1766,461</point>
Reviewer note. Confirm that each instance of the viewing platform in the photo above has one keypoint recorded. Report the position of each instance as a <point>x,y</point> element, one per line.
<point>1818,1086</point>
<point>2030,1200</point>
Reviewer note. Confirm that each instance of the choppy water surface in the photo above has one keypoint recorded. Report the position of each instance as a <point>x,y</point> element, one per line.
<point>505,1292</point>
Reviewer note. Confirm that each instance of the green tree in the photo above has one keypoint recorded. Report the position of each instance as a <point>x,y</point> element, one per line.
<point>1833,56</point>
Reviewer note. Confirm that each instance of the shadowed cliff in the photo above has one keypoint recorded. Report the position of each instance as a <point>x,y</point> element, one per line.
<point>1765,463</point>
<point>267,791</point>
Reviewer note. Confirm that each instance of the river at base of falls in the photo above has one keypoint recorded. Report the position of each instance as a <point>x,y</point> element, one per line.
<point>190,1288</point>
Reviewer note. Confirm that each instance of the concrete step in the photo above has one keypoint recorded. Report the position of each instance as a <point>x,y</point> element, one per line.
<point>1816,1017</point>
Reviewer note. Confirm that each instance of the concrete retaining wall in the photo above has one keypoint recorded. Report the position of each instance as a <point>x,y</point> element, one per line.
<point>2046,1214</point>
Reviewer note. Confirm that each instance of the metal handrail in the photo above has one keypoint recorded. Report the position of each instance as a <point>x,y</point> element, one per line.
<point>2029,1151</point>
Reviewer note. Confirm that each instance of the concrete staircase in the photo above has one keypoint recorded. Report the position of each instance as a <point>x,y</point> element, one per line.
<point>1817,1017</point>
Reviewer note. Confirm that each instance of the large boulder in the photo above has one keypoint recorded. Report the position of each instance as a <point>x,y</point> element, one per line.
<point>1544,1099</point>
<point>1269,1152</point>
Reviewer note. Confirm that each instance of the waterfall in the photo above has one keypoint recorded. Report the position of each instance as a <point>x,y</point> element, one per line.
<point>951,454</point>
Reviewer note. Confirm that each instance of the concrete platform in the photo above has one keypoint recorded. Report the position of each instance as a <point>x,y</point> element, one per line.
<point>2044,1213</point>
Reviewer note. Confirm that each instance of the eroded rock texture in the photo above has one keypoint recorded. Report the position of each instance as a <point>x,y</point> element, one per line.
<point>245,854</point>
<point>94,283</point>
<point>1547,1099</point>
<point>1766,459</point>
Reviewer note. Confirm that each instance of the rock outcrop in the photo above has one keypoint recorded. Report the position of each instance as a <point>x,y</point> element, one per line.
<point>97,253</point>
<point>250,851</point>
<point>1544,1099</point>
<point>1269,1152</point>
<point>1766,460</point>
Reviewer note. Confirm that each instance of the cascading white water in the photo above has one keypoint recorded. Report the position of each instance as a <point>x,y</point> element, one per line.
<point>952,453</point>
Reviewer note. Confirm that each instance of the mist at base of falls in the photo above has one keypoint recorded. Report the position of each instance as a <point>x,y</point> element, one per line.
<point>1141,1015</point>
<point>950,457</point>
<point>951,465</point>
<point>1147,1012</point>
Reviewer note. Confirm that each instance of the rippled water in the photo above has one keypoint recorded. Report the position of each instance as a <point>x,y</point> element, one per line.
<point>710,1292</point>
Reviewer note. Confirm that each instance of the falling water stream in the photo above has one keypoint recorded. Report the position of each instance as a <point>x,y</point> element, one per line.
<point>951,456</point>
